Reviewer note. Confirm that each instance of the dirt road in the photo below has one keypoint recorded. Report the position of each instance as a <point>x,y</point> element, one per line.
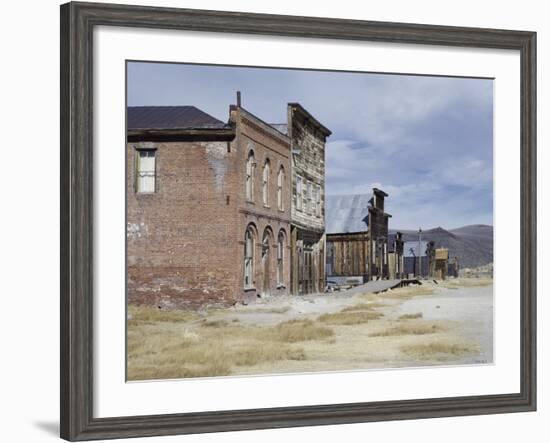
<point>433,324</point>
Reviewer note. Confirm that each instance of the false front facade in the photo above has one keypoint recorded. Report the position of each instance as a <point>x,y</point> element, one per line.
<point>358,247</point>
<point>308,137</point>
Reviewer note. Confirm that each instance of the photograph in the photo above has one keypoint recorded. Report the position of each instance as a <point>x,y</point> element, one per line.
<point>285,221</point>
<point>321,219</point>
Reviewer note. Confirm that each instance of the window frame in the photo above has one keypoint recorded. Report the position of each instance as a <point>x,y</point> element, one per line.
<point>318,211</point>
<point>266,173</point>
<point>249,174</point>
<point>299,191</point>
<point>249,232</point>
<point>137,163</point>
<point>280,188</point>
<point>309,192</point>
<point>281,259</point>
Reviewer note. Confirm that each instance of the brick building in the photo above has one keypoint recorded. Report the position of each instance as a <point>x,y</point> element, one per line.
<point>208,207</point>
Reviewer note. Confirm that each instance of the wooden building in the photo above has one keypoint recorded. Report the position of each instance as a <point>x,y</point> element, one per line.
<point>453,267</point>
<point>395,256</point>
<point>377,222</point>
<point>362,253</point>
<point>441,263</point>
<point>347,257</point>
<point>307,238</point>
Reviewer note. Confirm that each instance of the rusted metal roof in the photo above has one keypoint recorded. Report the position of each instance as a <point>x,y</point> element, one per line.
<point>170,117</point>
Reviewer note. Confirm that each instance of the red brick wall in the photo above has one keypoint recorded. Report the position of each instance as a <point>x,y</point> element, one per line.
<point>182,240</point>
<point>266,143</point>
<point>185,242</point>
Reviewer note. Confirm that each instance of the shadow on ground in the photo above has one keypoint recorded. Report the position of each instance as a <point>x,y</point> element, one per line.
<point>49,427</point>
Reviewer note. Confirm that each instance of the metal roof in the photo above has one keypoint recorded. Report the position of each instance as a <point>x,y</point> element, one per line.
<point>171,117</point>
<point>281,127</point>
<point>346,213</point>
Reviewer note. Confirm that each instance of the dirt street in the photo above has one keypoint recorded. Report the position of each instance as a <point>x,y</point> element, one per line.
<point>433,324</point>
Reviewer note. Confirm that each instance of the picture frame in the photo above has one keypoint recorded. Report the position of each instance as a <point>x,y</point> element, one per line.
<point>77,212</point>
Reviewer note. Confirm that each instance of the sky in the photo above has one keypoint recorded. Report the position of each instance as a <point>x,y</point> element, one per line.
<point>426,141</point>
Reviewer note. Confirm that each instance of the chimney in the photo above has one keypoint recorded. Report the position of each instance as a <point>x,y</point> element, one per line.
<point>238,99</point>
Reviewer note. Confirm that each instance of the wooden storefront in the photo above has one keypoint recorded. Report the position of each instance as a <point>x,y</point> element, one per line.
<point>347,254</point>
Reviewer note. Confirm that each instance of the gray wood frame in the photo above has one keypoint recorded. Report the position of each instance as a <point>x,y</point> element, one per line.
<point>77,23</point>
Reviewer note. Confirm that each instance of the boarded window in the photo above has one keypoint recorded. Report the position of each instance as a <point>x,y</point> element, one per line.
<point>298,192</point>
<point>309,197</point>
<point>318,201</point>
<point>145,173</point>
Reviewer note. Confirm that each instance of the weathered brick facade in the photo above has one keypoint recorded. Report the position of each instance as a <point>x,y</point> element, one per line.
<point>185,240</point>
<point>267,144</point>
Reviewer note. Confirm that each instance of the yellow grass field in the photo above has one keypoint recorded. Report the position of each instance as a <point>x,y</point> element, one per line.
<point>300,334</point>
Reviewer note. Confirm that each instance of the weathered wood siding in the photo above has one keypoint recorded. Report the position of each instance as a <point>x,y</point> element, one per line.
<point>308,162</point>
<point>308,139</point>
<point>347,254</point>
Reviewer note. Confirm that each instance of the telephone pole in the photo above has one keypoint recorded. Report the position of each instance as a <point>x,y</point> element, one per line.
<point>419,252</point>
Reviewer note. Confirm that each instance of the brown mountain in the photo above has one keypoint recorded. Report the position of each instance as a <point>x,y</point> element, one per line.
<point>472,244</point>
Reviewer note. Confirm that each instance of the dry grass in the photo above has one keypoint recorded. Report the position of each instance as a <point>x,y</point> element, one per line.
<point>181,344</point>
<point>274,310</point>
<point>141,314</point>
<point>408,329</point>
<point>350,318</point>
<point>410,291</point>
<point>439,350</point>
<point>363,307</point>
<point>465,282</point>
<point>214,323</point>
<point>404,293</point>
<point>177,346</point>
<point>411,316</point>
<point>293,331</point>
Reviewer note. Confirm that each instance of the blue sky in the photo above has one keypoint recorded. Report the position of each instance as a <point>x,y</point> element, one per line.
<point>426,141</point>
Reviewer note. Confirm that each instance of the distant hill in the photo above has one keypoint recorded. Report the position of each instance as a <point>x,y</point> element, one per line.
<point>472,244</point>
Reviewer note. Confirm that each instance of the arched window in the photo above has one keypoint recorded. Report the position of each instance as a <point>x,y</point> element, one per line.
<point>265,183</point>
<point>250,167</point>
<point>249,257</point>
<point>280,184</point>
<point>280,258</point>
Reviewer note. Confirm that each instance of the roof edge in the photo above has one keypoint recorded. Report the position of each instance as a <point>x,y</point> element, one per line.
<point>187,134</point>
<point>263,124</point>
<point>326,132</point>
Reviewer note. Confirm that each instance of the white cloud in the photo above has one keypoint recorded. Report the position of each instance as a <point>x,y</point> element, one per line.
<point>427,141</point>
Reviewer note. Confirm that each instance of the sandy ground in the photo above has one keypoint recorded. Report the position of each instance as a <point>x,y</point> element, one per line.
<point>470,308</point>
<point>445,324</point>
